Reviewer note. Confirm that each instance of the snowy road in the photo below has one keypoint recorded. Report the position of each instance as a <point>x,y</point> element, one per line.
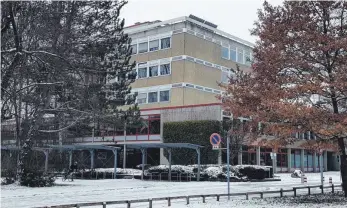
<point>126,189</point>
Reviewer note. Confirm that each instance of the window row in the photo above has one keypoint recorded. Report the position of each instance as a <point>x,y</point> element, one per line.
<point>237,55</point>
<point>153,71</point>
<point>152,45</point>
<point>153,97</point>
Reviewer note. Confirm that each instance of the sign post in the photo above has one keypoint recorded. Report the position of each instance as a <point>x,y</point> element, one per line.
<point>215,140</point>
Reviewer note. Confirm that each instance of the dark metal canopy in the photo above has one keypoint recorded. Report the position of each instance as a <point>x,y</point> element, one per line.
<point>83,147</point>
<point>17,148</point>
<point>164,145</point>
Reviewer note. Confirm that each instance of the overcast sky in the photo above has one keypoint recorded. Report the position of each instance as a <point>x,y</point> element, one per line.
<point>235,17</point>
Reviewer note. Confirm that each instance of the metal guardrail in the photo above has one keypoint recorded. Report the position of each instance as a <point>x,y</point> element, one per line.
<point>174,175</point>
<point>187,198</point>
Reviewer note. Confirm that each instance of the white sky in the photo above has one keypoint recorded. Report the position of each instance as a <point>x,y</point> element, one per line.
<point>235,17</point>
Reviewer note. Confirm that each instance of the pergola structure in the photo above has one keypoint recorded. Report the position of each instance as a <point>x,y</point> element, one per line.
<point>40,149</point>
<point>91,149</point>
<point>143,147</point>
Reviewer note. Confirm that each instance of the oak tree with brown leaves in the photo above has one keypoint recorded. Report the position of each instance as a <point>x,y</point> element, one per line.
<point>299,78</point>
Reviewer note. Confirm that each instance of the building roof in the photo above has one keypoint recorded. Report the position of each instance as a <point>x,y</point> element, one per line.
<point>145,27</point>
<point>164,145</point>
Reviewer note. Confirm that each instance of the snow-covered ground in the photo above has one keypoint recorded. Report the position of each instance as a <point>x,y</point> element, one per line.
<point>81,191</point>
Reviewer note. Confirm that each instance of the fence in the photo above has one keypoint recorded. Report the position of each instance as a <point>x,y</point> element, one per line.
<point>187,198</point>
<point>175,176</point>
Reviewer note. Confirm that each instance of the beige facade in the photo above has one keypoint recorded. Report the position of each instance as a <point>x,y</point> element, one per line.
<point>186,71</point>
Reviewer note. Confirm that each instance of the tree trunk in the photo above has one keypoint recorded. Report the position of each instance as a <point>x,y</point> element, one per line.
<point>343,167</point>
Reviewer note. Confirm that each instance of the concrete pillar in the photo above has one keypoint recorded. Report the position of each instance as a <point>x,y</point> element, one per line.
<point>314,162</point>
<point>143,163</point>
<point>91,159</point>
<point>289,159</point>
<point>338,162</point>
<point>325,160</point>
<point>46,152</point>
<point>257,155</point>
<point>146,153</point>
<point>219,157</point>
<point>163,159</point>
<point>239,157</point>
<point>170,161</point>
<point>199,155</point>
<point>302,165</point>
<point>115,164</point>
<point>70,158</point>
<point>274,161</point>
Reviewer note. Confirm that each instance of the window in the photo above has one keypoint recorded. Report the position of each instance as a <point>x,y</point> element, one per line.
<point>154,45</point>
<point>225,77</point>
<point>134,49</point>
<point>190,85</point>
<point>142,72</point>
<point>152,97</point>
<point>153,71</point>
<point>142,98</point>
<point>165,43</point>
<point>154,126</point>
<point>143,47</point>
<point>225,52</point>
<point>164,96</point>
<point>248,60</point>
<point>233,55</point>
<point>164,69</point>
<point>240,56</point>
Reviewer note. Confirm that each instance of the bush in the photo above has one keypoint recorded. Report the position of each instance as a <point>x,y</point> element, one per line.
<point>251,171</point>
<point>174,168</point>
<point>216,172</point>
<point>33,178</point>
<point>195,132</point>
<point>10,176</point>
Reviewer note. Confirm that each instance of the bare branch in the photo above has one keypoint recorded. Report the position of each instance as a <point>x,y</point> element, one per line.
<point>61,129</point>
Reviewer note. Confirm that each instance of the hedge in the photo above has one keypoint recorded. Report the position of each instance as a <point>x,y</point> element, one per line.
<point>194,132</point>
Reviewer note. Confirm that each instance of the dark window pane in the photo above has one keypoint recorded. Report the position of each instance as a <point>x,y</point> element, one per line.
<point>142,73</point>
<point>143,47</point>
<point>134,49</point>
<point>153,71</point>
<point>144,128</point>
<point>154,127</point>
<point>153,45</point>
<point>164,96</point>
<point>164,69</point>
<point>152,97</point>
<point>165,43</point>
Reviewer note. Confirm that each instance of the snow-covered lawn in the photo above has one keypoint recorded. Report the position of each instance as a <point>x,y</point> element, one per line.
<point>81,191</point>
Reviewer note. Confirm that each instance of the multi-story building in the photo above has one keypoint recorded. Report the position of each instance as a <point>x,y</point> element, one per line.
<point>180,64</point>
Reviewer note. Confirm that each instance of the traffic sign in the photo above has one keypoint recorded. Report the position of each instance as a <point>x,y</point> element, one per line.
<point>215,139</point>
